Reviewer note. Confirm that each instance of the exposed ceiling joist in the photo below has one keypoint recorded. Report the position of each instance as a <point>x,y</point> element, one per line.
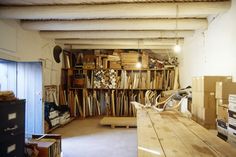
<point>163,47</point>
<point>62,2</point>
<point>129,10</point>
<point>145,42</point>
<point>114,34</point>
<point>118,24</point>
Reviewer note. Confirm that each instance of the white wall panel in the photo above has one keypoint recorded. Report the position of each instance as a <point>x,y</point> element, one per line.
<point>213,53</point>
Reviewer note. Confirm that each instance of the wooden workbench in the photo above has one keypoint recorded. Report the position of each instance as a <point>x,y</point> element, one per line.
<point>168,134</point>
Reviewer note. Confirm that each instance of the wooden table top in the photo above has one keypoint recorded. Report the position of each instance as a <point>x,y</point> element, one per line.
<point>168,134</point>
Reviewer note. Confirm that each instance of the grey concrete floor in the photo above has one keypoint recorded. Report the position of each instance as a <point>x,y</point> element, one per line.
<point>86,138</point>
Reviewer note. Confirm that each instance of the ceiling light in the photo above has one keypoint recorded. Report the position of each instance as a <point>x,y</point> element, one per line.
<point>138,65</point>
<point>177,48</point>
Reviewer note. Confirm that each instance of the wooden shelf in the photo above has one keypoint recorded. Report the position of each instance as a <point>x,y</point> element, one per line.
<point>159,69</point>
<point>133,83</point>
<point>57,126</point>
<point>113,89</point>
<point>74,88</point>
<point>53,128</point>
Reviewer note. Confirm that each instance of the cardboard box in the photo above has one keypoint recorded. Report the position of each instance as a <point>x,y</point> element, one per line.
<point>232,135</point>
<point>57,149</point>
<point>232,106</point>
<point>194,84</point>
<point>222,127</point>
<point>232,98</point>
<point>45,147</point>
<point>223,89</point>
<point>208,83</point>
<point>204,108</point>
<point>222,102</point>
<point>232,118</point>
<point>222,113</point>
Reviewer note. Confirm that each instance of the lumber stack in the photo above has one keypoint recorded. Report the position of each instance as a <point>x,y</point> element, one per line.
<point>114,60</point>
<point>145,58</point>
<point>168,134</point>
<point>119,122</point>
<point>129,60</point>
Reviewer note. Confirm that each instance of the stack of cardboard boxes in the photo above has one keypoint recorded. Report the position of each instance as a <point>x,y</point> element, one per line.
<point>47,145</point>
<point>232,119</point>
<point>225,119</point>
<point>204,103</point>
<point>223,90</point>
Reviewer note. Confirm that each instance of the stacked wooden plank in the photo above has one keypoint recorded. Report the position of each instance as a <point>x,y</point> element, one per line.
<point>129,60</point>
<point>114,61</point>
<point>145,59</point>
<point>168,134</point>
<point>204,103</point>
<point>119,121</point>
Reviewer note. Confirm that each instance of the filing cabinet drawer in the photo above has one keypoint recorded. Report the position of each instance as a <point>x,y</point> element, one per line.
<point>12,116</point>
<point>12,147</point>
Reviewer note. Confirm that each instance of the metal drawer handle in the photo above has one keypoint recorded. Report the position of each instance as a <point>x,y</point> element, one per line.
<point>11,129</point>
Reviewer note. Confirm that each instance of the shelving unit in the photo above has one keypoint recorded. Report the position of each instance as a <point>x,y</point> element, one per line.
<point>55,114</point>
<point>97,88</point>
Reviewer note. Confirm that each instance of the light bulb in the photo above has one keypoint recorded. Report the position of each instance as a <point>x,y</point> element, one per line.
<point>177,48</point>
<point>138,65</point>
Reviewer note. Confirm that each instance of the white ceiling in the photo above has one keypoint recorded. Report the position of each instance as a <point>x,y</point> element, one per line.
<point>106,23</point>
<point>59,2</point>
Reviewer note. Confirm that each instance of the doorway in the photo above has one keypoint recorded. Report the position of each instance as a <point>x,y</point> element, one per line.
<point>25,80</point>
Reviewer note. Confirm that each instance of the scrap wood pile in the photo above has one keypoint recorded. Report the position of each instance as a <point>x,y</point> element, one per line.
<point>7,96</point>
<point>127,59</point>
<point>167,100</point>
<point>162,60</point>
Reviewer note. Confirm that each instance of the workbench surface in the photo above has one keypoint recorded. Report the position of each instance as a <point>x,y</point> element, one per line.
<point>168,134</point>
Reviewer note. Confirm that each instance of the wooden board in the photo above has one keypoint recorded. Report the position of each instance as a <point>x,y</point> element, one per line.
<point>119,121</point>
<point>169,134</point>
<point>148,143</point>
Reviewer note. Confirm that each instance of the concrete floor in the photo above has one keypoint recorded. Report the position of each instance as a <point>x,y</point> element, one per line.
<point>86,138</point>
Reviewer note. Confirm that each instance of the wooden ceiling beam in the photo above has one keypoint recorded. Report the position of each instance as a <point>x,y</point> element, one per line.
<point>140,42</point>
<point>117,24</point>
<point>83,46</point>
<point>69,2</point>
<point>114,34</point>
<point>122,10</point>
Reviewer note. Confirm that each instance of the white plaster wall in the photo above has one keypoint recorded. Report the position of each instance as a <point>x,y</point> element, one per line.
<point>26,46</point>
<point>211,52</point>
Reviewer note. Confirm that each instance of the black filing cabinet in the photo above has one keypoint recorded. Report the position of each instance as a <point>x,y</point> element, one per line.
<point>12,128</point>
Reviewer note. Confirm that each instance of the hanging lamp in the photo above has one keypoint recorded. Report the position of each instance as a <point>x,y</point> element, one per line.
<point>177,47</point>
<point>139,63</point>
